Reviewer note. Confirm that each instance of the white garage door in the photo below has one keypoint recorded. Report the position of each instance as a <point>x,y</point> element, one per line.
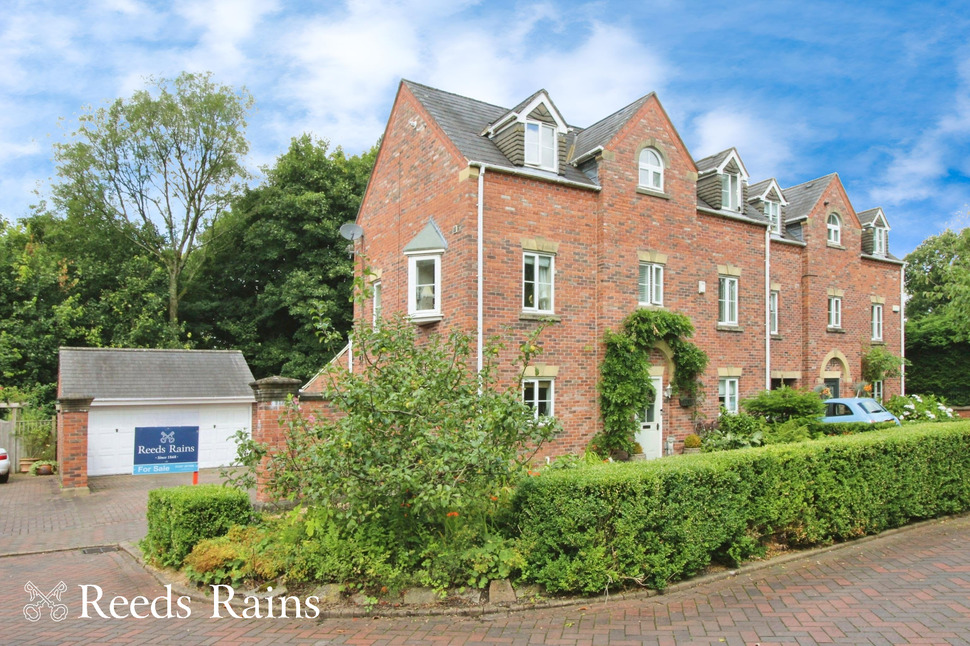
<point>111,432</point>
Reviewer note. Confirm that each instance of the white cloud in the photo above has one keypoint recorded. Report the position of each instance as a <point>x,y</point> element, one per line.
<point>919,166</point>
<point>765,146</point>
<point>225,25</point>
<point>344,66</point>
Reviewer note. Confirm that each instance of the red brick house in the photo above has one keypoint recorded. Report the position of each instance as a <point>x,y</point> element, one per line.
<point>484,218</point>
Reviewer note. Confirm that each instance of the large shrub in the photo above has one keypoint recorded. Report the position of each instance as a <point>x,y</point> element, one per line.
<point>734,431</point>
<point>409,477</point>
<point>920,408</point>
<point>783,404</point>
<point>180,517</point>
<point>587,530</point>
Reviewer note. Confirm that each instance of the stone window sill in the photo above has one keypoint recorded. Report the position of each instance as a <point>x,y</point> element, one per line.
<point>425,319</point>
<point>537,316</point>
<point>721,327</point>
<point>835,330</point>
<point>642,190</point>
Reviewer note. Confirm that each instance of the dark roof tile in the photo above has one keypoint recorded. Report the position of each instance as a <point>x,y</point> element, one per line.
<point>802,197</point>
<point>463,120</point>
<point>127,373</point>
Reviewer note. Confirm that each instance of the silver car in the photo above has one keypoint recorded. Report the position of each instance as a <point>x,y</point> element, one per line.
<point>4,466</point>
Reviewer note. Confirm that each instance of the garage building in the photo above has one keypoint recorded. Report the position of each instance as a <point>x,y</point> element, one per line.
<point>123,388</point>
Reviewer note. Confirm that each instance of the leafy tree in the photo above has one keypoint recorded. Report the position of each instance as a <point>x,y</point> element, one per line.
<point>279,261</point>
<point>160,166</point>
<point>38,312</point>
<point>933,274</point>
<point>937,327</point>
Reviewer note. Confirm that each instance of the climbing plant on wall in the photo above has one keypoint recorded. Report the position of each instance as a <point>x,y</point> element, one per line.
<point>625,388</point>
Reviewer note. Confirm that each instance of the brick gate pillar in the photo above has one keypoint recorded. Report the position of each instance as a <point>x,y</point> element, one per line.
<point>269,420</point>
<point>72,444</point>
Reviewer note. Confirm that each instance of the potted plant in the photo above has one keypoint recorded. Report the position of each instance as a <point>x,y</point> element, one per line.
<point>638,453</point>
<point>43,468</point>
<point>38,443</point>
<point>692,443</point>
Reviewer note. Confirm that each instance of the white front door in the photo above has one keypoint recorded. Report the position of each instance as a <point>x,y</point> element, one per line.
<point>650,436</point>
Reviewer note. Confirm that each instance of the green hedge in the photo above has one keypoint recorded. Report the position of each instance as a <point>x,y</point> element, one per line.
<point>587,530</point>
<point>180,517</point>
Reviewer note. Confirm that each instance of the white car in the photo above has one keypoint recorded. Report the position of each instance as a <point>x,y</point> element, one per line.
<point>4,466</point>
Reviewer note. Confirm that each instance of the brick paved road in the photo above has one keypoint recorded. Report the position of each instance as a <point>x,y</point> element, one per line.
<point>35,516</point>
<point>909,587</point>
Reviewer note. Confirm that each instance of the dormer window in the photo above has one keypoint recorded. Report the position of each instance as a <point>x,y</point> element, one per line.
<point>880,241</point>
<point>540,145</point>
<point>651,170</point>
<point>773,213</point>
<point>834,225</point>
<point>731,191</point>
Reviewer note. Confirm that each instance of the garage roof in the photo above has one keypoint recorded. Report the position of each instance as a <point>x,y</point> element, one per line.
<point>138,374</point>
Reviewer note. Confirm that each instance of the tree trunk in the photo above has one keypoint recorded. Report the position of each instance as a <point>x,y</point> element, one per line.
<point>173,297</point>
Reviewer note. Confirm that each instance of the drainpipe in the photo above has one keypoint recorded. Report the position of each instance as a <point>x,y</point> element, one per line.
<point>902,329</point>
<point>768,308</point>
<point>481,218</point>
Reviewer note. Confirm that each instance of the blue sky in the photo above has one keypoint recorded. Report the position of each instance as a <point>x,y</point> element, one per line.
<point>878,92</point>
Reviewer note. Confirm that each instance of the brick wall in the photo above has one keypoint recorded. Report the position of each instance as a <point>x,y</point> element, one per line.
<point>599,237</point>
<point>72,443</point>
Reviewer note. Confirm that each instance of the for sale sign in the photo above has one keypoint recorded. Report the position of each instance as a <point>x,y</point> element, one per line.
<point>166,449</point>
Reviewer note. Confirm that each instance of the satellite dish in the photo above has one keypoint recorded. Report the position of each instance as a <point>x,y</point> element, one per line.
<point>351,231</point>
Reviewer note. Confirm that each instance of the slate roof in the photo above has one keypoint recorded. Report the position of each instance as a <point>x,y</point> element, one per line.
<point>428,239</point>
<point>711,162</point>
<point>803,197</point>
<point>127,373</point>
<point>601,132</point>
<point>749,213</point>
<point>869,216</point>
<point>755,190</point>
<point>463,120</point>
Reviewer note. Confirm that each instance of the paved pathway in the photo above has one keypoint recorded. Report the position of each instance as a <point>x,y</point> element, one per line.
<point>35,516</point>
<point>907,587</point>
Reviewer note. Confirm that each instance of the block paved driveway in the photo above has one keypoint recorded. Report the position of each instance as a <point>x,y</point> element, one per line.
<point>909,587</point>
<point>35,516</point>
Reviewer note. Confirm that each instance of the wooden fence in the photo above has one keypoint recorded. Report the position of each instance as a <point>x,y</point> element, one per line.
<point>12,440</point>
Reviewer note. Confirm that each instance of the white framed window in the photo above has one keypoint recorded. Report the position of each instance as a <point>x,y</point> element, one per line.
<point>731,191</point>
<point>377,307</point>
<point>651,284</point>
<point>877,390</point>
<point>773,212</point>
<point>834,227</point>
<point>880,241</point>
<point>538,272</point>
<point>773,312</point>
<point>727,393</point>
<point>876,322</point>
<point>727,300</point>
<point>539,395</point>
<point>835,311</point>
<point>651,170</point>
<point>424,286</point>
<point>540,145</point>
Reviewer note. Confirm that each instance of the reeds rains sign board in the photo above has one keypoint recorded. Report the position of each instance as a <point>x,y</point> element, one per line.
<point>166,449</point>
